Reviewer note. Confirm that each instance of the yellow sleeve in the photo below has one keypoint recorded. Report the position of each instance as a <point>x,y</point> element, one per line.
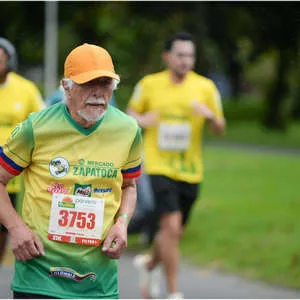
<point>214,101</point>
<point>139,98</point>
<point>132,168</point>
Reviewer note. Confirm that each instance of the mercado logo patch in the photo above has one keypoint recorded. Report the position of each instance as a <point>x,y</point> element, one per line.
<point>59,167</point>
<point>71,274</point>
<point>89,168</point>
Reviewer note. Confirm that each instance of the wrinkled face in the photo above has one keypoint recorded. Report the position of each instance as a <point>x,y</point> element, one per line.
<point>181,58</point>
<point>3,62</point>
<point>88,102</point>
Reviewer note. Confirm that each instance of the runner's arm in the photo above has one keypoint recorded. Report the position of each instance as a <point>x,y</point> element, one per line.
<point>116,240</point>
<point>217,125</point>
<point>144,120</point>
<point>8,216</point>
<point>24,242</point>
<point>129,197</point>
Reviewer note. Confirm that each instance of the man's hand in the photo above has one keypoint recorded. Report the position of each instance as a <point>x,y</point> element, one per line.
<point>202,109</point>
<point>217,125</point>
<point>148,119</point>
<point>116,240</point>
<point>25,243</point>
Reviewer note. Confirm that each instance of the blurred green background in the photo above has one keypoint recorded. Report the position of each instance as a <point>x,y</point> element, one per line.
<point>247,219</point>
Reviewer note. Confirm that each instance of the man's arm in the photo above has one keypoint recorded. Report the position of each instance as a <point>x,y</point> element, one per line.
<point>8,215</point>
<point>144,120</point>
<point>116,240</point>
<point>25,243</point>
<point>216,124</point>
<point>128,202</point>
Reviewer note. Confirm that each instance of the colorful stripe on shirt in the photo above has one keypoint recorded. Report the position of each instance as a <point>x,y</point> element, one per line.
<point>8,164</point>
<point>132,172</point>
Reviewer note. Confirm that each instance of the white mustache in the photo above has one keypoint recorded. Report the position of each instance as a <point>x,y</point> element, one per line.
<point>95,101</point>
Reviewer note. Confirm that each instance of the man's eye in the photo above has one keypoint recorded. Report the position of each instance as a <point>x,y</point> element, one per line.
<point>104,81</point>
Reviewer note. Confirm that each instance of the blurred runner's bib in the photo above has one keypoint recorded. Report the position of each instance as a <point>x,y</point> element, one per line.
<point>76,219</point>
<point>174,136</point>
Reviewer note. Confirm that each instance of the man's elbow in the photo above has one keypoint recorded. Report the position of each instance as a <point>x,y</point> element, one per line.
<point>219,127</point>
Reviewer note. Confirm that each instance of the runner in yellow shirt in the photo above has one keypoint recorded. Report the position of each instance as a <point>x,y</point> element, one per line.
<point>18,97</point>
<point>172,106</point>
<point>81,159</point>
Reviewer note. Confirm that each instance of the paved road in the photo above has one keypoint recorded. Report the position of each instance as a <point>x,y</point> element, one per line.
<point>195,283</point>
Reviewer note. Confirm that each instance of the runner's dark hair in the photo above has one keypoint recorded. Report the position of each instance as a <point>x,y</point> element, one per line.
<point>181,36</point>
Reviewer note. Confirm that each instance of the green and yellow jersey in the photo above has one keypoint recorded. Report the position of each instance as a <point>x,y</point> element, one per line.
<point>173,148</point>
<point>19,97</point>
<point>78,169</point>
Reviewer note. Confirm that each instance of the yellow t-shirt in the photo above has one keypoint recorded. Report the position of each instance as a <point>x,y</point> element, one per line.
<point>18,98</point>
<point>173,147</point>
<point>59,156</point>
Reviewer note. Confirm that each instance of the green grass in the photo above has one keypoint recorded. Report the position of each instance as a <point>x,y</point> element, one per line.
<point>250,132</point>
<point>247,220</point>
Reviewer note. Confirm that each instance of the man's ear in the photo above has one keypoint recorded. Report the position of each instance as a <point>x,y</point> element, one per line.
<point>65,84</point>
<point>165,56</point>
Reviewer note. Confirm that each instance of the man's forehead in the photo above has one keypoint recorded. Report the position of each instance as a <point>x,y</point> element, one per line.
<point>181,45</point>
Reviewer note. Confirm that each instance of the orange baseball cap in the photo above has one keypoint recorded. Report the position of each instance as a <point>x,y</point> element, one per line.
<point>88,62</point>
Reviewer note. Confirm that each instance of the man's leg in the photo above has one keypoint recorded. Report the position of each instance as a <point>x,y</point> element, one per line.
<point>166,249</point>
<point>166,245</point>
<point>168,216</point>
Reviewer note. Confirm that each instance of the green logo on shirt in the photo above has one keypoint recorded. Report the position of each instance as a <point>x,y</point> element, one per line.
<point>83,190</point>
<point>102,169</point>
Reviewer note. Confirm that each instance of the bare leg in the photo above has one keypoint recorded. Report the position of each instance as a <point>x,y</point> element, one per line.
<point>166,249</point>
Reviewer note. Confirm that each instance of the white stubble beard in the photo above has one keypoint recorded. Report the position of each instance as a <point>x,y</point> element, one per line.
<point>94,117</point>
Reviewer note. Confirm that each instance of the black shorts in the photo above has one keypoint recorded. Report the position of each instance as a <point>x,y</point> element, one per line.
<point>171,196</point>
<point>20,295</point>
<point>13,197</point>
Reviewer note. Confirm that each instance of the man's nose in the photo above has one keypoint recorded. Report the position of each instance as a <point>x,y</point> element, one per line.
<point>97,91</point>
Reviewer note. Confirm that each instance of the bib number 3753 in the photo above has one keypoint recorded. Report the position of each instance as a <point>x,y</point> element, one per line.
<point>76,219</point>
<point>79,219</point>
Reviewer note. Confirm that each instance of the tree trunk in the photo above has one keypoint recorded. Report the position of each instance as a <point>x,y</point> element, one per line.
<point>235,73</point>
<point>275,117</point>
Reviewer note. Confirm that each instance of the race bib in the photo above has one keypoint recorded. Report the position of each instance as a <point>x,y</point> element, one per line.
<point>76,219</point>
<point>174,136</point>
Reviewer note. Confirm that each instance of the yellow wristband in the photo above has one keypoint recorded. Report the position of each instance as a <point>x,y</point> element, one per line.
<point>125,216</point>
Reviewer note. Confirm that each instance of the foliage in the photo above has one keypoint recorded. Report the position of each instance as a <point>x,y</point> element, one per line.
<point>231,38</point>
<point>247,109</point>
